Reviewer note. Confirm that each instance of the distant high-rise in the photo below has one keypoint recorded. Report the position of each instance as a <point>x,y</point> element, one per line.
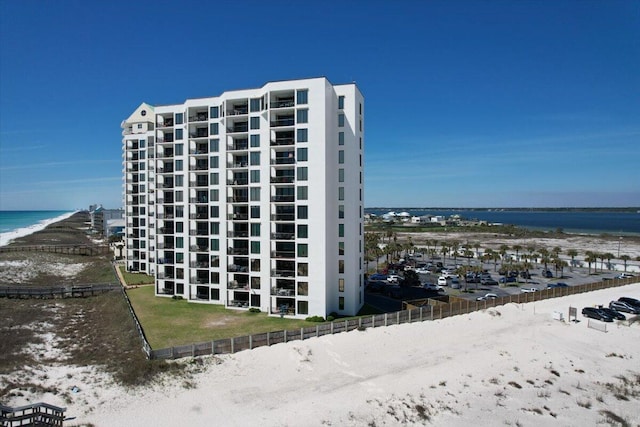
<point>253,198</point>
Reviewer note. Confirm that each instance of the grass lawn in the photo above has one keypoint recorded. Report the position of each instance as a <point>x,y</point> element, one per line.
<point>168,322</point>
<point>136,278</point>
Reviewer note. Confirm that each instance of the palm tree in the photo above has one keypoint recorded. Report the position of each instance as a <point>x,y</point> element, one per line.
<point>625,259</point>
<point>608,256</point>
<point>468,253</point>
<point>556,251</point>
<point>503,251</point>
<point>496,257</point>
<point>589,258</point>
<point>455,245</point>
<point>572,253</point>
<point>560,264</point>
<point>517,248</point>
<point>476,245</point>
<point>544,257</point>
<point>531,249</point>
<point>444,249</point>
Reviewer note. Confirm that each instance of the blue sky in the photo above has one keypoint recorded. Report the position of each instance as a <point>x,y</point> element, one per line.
<point>467,103</point>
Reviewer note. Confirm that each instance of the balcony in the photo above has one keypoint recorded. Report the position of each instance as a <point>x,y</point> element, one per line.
<point>200,116</point>
<point>238,199</point>
<point>199,166</point>
<point>199,264</point>
<point>240,233</point>
<point>199,199</point>
<point>282,121</point>
<point>283,292</point>
<point>238,251</point>
<point>283,138</point>
<point>283,254</point>
<point>238,127</point>
<point>198,132</point>
<point>284,160</point>
<point>282,273</point>
<point>238,145</point>
<point>282,179</point>
<point>199,280</point>
<point>199,248</point>
<point>238,181</point>
<point>167,122</point>
<point>283,198</point>
<point>165,138</point>
<point>235,268</point>
<point>283,103</point>
<point>199,232</point>
<point>238,217</point>
<point>283,217</point>
<point>283,236</point>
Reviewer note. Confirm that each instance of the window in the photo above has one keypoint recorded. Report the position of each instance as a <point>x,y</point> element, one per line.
<point>179,227</point>
<point>303,96</point>
<point>255,229</point>
<point>214,145</point>
<point>214,163</point>
<point>303,307</point>
<point>360,125</point>
<point>341,120</point>
<point>142,143</point>
<point>215,195</point>
<point>302,173</point>
<point>340,193</point>
<point>303,135</point>
<point>255,104</point>
<point>179,258</point>
<point>255,211</point>
<point>214,112</point>
<point>215,228</point>
<point>341,156</point>
<point>340,138</point>
<point>340,230</point>
<point>340,175</point>
<point>140,125</point>
<point>302,154</point>
<point>303,193</point>
<point>303,288</point>
<point>302,116</point>
<point>254,194</point>
<point>215,211</point>
<point>179,118</point>
<point>341,102</point>
<point>341,266</point>
<point>340,285</point>
<point>255,122</point>
<point>179,134</point>
<point>214,128</point>
<point>255,140</point>
<point>303,269</point>
<point>341,211</point>
<point>255,247</point>
<point>214,178</point>
<point>340,303</point>
<point>255,176</point>
<point>254,158</point>
<point>179,149</point>
<point>179,196</point>
<point>361,108</point>
<point>303,250</point>
<point>215,294</point>
<point>215,244</point>
<point>179,180</point>
<point>255,265</point>
<point>179,165</point>
<point>179,242</point>
<point>340,248</point>
<point>255,284</point>
<point>303,231</point>
<point>303,212</point>
<point>361,143</point>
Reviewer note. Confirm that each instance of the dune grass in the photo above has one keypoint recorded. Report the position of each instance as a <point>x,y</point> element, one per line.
<point>169,322</point>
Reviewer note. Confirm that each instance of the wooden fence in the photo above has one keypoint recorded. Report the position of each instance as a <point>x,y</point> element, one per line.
<point>66,291</point>
<point>37,414</point>
<point>60,249</point>
<point>417,314</point>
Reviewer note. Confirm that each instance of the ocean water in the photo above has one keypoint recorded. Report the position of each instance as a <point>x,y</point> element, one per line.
<point>15,220</point>
<point>588,222</point>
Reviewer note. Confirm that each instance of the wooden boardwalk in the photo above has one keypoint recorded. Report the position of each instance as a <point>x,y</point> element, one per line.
<point>88,250</point>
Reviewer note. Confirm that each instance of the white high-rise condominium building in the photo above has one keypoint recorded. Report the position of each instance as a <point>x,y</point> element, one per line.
<point>253,198</point>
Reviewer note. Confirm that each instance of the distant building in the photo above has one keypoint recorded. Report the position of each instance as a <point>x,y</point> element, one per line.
<point>101,218</point>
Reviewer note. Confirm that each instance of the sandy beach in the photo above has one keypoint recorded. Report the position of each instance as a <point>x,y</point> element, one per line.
<point>7,238</point>
<point>509,365</point>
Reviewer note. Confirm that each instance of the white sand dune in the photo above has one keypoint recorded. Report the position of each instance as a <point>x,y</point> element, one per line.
<point>10,236</point>
<point>510,365</point>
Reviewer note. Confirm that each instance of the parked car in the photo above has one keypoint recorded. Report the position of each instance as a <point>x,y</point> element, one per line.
<point>528,290</point>
<point>596,313</point>
<point>489,281</point>
<point>487,297</point>
<point>444,281</point>
<point>624,307</point>
<point>634,302</point>
<point>613,313</point>
<point>556,285</point>
<point>422,271</point>
<point>525,275</point>
<point>624,276</point>
<point>393,291</point>
<point>393,278</point>
<point>378,276</point>
<point>507,279</point>
<point>547,273</point>
<point>432,287</point>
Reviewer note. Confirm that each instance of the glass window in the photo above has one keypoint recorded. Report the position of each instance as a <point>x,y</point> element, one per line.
<point>255,265</point>
<point>255,247</point>
<point>303,116</point>
<point>303,307</point>
<point>341,211</point>
<point>214,145</point>
<point>214,162</point>
<point>303,212</point>
<point>215,228</point>
<point>215,195</point>
<point>254,158</point>
<point>303,231</point>
<point>340,138</point>
<point>341,266</point>
<point>340,285</point>
<point>179,242</point>
<point>179,227</point>
<point>215,244</point>
<point>340,193</point>
<point>255,211</point>
<point>179,180</point>
<point>303,288</point>
<point>214,178</point>
<point>215,211</point>
<point>303,135</point>
<point>340,303</point>
<point>302,155</point>
<point>214,129</point>
<point>255,140</point>
<point>340,175</point>
<point>303,192</point>
<point>302,173</point>
<point>254,194</point>
<point>179,196</point>
<point>303,269</point>
<point>340,248</point>
<point>303,250</point>
<point>178,150</point>
<point>341,102</point>
<point>341,156</point>
<point>255,229</point>
<point>179,257</point>
<point>179,133</point>
<point>255,176</point>
<point>341,120</point>
<point>255,122</point>
<point>340,230</point>
<point>303,96</point>
<point>179,165</point>
<point>214,112</point>
<point>255,104</point>
<point>179,118</point>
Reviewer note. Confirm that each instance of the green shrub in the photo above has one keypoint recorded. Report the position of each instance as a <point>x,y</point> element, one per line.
<point>177,297</point>
<point>330,318</point>
<point>315,319</point>
<point>254,310</point>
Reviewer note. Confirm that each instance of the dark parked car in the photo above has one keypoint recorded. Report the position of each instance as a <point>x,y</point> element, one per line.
<point>489,281</point>
<point>525,275</point>
<point>632,301</point>
<point>378,276</point>
<point>508,279</point>
<point>596,313</point>
<point>613,313</point>
<point>624,307</point>
<point>393,291</point>
<point>547,273</point>
<point>556,285</point>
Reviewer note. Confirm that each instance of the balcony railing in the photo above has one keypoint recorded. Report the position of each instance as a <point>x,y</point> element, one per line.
<point>165,123</point>
<point>283,217</point>
<point>240,127</point>
<point>201,232</point>
<point>201,199</point>
<point>237,199</point>
<point>238,251</point>
<point>282,141</point>
<point>240,164</point>
<point>283,236</point>
<point>282,273</point>
<point>282,179</point>
<point>199,133</point>
<point>241,181</point>
<point>239,111</point>
<point>282,103</point>
<point>199,248</point>
<point>238,145</point>
<point>237,234</point>
<point>199,215</point>
<point>282,198</point>
<point>283,160</point>
<point>285,121</point>
<point>199,264</point>
<point>199,280</point>
<point>283,292</point>
<point>234,268</point>
<point>283,254</point>
<point>199,117</point>
<point>238,217</point>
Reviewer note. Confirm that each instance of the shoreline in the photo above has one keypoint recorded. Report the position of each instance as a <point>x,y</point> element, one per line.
<point>8,237</point>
